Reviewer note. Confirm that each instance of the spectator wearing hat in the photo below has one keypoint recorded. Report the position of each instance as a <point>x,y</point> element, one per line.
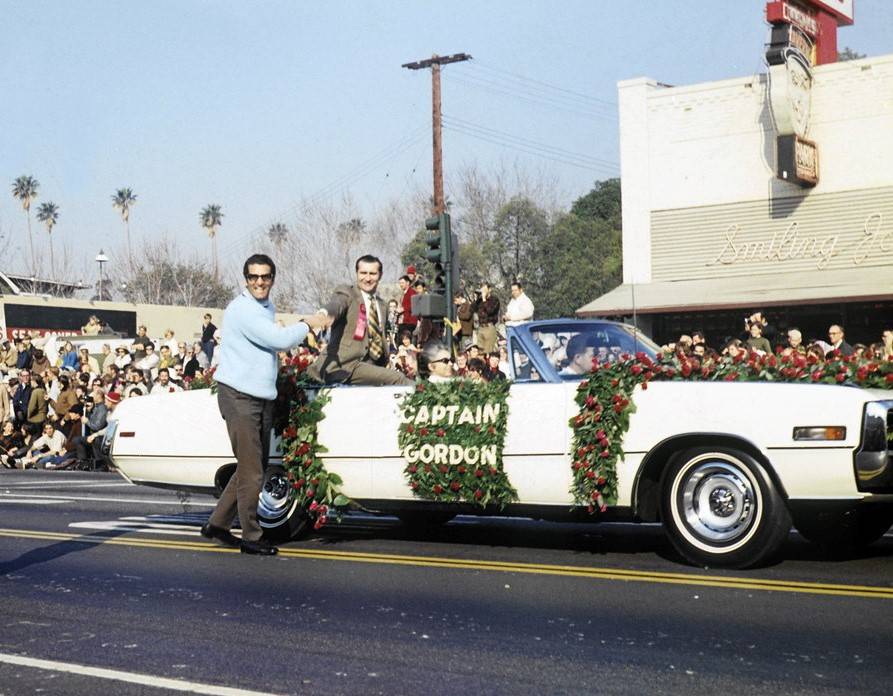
<point>122,357</point>
<point>408,320</point>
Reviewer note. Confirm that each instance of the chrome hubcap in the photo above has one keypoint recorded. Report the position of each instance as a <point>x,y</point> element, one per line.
<point>717,501</point>
<point>274,501</point>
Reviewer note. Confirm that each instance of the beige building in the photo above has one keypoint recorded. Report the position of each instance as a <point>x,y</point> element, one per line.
<point>711,231</point>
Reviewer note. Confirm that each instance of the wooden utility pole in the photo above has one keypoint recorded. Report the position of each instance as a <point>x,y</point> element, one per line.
<point>434,63</point>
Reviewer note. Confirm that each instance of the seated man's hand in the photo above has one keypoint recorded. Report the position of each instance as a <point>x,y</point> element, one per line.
<point>317,322</point>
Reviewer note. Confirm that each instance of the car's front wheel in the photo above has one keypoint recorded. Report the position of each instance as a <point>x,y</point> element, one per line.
<point>720,508</point>
<point>279,513</point>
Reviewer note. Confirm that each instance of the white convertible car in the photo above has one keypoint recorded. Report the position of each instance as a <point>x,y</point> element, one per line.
<point>725,467</point>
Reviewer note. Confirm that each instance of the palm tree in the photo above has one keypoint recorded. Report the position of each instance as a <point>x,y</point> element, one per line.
<point>278,233</point>
<point>211,218</point>
<point>123,199</point>
<point>48,214</point>
<point>25,189</point>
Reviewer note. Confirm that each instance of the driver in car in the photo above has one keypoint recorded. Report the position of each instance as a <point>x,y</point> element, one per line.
<point>580,353</point>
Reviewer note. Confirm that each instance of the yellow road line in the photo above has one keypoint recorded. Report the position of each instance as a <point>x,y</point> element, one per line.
<point>729,582</point>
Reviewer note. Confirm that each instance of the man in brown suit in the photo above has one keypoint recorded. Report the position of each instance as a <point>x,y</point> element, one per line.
<point>357,351</point>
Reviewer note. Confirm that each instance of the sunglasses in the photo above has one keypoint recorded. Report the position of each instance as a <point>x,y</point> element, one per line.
<point>442,360</point>
<point>254,277</point>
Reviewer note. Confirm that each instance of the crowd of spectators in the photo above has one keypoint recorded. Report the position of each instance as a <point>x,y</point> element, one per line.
<point>759,336</point>
<point>54,408</point>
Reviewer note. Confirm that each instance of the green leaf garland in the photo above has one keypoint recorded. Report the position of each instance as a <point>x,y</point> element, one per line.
<point>452,439</point>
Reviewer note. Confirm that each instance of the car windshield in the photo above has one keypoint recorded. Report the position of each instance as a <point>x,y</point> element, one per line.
<point>571,348</point>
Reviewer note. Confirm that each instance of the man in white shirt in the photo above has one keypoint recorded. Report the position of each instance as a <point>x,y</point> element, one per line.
<point>164,385</point>
<point>520,307</point>
<point>149,364</point>
<point>45,449</point>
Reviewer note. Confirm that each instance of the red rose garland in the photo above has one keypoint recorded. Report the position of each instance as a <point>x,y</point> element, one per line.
<point>606,403</point>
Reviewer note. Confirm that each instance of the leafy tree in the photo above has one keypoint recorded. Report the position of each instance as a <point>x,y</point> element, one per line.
<point>123,199</point>
<point>581,256</point>
<point>601,203</point>
<point>519,228</point>
<point>211,218</point>
<point>24,189</point>
<point>848,54</point>
<point>165,277</point>
<point>48,214</point>
<point>580,260</point>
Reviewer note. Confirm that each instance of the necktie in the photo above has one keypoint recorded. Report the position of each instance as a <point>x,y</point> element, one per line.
<point>376,340</point>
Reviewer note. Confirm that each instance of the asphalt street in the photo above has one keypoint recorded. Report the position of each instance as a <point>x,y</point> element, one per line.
<point>108,588</point>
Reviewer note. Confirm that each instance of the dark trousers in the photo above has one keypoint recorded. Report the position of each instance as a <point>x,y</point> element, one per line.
<point>249,421</point>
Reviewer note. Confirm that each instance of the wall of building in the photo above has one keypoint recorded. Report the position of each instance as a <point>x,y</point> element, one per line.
<point>186,322</point>
<point>696,160</point>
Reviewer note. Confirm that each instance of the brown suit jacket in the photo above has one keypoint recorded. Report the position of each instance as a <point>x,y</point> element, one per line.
<point>343,352</point>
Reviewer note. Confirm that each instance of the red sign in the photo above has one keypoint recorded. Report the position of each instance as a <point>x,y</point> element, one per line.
<point>841,9</point>
<point>801,17</point>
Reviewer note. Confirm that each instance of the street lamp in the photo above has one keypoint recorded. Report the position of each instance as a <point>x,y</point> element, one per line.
<point>101,258</point>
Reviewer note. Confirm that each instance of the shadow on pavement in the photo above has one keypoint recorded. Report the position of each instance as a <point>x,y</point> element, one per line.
<point>45,554</point>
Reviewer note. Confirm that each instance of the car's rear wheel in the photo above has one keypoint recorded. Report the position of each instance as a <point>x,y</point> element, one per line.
<point>279,513</point>
<point>720,508</point>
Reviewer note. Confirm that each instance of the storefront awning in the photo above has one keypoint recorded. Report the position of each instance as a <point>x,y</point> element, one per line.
<point>751,292</point>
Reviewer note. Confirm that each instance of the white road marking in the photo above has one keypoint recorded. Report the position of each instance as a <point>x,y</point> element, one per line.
<point>32,501</point>
<point>66,484</point>
<point>143,528</point>
<point>139,501</point>
<point>130,677</point>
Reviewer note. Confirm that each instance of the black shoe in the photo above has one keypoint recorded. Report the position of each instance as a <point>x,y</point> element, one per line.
<point>258,548</point>
<point>222,535</point>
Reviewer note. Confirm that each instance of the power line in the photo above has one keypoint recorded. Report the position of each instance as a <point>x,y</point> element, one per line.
<point>532,148</point>
<point>546,85</point>
<point>530,98</point>
<point>511,146</point>
<point>530,143</point>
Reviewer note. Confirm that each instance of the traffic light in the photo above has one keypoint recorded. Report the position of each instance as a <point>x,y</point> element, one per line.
<point>440,253</point>
<point>442,248</point>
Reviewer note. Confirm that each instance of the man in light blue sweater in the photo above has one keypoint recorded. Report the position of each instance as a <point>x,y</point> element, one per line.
<point>246,379</point>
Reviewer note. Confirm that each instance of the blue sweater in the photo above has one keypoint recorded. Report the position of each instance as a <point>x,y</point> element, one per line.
<point>249,341</point>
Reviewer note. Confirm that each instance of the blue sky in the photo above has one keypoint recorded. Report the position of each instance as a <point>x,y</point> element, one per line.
<point>256,105</point>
